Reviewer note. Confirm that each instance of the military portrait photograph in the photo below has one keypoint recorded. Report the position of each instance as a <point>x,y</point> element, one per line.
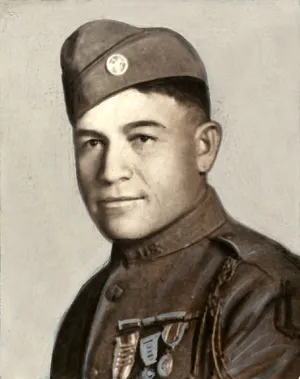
<point>150,189</point>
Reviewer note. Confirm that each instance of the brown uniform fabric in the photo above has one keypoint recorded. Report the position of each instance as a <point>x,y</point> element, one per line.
<point>240,290</point>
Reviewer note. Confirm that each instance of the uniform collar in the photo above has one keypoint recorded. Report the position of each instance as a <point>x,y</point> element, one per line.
<point>203,220</point>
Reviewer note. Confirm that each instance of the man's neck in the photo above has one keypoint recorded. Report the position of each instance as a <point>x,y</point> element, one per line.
<point>203,219</point>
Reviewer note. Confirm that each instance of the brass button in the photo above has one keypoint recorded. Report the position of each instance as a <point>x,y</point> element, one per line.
<point>114,292</point>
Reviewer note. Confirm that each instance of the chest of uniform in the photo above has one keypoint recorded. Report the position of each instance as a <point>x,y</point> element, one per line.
<point>145,323</point>
<point>161,350</point>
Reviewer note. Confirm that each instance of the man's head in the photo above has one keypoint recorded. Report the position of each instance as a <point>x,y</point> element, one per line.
<point>143,147</point>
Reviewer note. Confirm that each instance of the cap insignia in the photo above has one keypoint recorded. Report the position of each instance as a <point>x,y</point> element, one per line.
<point>117,64</point>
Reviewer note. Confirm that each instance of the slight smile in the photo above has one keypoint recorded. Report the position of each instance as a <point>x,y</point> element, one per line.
<point>119,202</point>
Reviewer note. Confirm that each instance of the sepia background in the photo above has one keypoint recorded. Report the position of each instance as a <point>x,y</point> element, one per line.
<point>49,245</point>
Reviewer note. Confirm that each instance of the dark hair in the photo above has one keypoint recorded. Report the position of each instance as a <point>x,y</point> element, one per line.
<point>190,92</point>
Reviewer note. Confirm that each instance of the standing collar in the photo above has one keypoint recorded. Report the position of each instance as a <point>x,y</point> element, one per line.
<point>205,218</point>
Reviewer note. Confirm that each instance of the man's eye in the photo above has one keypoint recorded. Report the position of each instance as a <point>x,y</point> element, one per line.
<point>92,143</point>
<point>142,138</point>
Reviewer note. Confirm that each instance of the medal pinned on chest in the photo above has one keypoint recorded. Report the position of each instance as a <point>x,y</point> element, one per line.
<point>171,336</point>
<point>155,350</point>
<point>165,365</point>
<point>124,355</point>
<point>149,349</point>
<point>148,373</point>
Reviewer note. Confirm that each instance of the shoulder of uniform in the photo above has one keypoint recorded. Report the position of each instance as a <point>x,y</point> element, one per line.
<point>93,285</point>
<point>256,297</point>
<point>253,248</point>
<point>86,297</point>
<point>72,332</point>
<point>258,274</point>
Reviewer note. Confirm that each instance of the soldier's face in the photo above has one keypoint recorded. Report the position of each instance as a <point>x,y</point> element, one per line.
<point>136,161</point>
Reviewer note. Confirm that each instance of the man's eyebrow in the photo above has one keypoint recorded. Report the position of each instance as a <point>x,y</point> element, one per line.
<point>87,133</point>
<point>126,128</point>
<point>141,123</point>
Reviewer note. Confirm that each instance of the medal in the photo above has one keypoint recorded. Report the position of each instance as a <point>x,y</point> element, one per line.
<point>148,373</point>
<point>173,333</point>
<point>126,345</point>
<point>124,355</point>
<point>149,348</point>
<point>165,365</point>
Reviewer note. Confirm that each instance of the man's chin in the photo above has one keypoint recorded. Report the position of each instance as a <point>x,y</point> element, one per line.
<point>124,232</point>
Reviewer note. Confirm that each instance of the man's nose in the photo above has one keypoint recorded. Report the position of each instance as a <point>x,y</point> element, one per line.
<point>115,165</point>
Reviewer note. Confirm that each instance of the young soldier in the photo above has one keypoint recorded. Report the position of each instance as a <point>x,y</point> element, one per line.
<point>188,291</point>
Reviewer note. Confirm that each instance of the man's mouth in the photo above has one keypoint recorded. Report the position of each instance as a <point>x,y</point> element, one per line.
<point>121,201</point>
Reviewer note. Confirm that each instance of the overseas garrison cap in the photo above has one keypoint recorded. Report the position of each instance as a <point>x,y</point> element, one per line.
<point>104,57</point>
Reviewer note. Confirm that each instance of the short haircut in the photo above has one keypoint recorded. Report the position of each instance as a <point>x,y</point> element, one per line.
<point>190,92</point>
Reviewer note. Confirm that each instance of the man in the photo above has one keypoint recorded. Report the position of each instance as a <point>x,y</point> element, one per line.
<point>188,292</point>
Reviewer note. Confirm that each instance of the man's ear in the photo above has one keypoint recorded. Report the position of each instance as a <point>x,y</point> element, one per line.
<point>208,139</point>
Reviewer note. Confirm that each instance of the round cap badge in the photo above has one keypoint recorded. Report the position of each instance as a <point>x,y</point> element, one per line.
<point>117,64</point>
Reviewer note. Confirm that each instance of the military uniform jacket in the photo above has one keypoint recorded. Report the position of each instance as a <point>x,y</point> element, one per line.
<point>207,298</point>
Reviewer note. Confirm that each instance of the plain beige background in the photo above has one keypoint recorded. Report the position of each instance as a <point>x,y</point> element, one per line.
<point>49,245</point>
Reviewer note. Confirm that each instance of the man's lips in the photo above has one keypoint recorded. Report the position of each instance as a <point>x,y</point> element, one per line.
<point>120,201</point>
